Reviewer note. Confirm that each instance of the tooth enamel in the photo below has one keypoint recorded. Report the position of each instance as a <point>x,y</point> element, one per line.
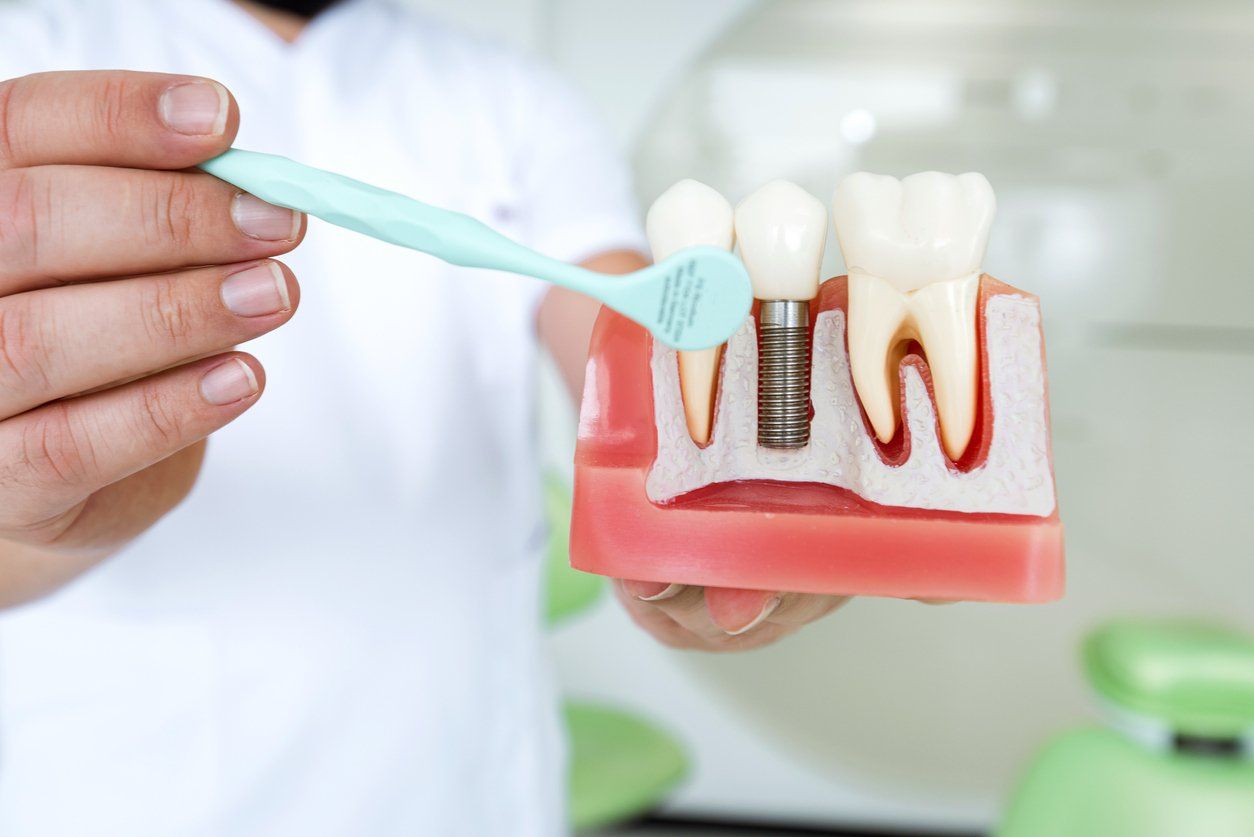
<point>686,215</point>
<point>782,229</point>
<point>928,228</point>
<point>913,249</point>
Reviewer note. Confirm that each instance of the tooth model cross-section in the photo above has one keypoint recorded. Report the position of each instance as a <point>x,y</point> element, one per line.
<point>920,464</point>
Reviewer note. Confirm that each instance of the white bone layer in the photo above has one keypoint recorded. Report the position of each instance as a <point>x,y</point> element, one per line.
<point>1016,478</point>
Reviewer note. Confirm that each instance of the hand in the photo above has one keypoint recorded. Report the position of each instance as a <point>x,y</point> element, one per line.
<point>717,618</point>
<point>124,282</point>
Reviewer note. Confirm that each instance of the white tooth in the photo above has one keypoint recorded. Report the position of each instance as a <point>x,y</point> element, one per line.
<point>686,215</point>
<point>781,229</point>
<point>913,249</point>
<point>928,228</point>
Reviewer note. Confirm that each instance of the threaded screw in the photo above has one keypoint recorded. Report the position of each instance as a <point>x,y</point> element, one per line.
<point>784,374</point>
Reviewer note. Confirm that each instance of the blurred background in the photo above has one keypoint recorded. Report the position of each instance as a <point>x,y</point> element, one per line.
<point>1117,134</point>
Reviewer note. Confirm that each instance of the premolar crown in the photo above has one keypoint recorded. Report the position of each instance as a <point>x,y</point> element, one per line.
<point>782,229</point>
<point>686,215</point>
<point>913,249</point>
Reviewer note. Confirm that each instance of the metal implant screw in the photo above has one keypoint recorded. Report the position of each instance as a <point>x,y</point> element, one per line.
<point>784,374</point>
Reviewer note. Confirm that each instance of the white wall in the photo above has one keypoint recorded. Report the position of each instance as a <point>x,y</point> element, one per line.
<point>623,55</point>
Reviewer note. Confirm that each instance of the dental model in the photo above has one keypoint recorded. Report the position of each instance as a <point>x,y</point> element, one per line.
<point>916,461</point>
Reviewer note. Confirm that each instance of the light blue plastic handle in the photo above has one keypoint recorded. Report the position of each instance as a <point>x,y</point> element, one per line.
<point>693,300</point>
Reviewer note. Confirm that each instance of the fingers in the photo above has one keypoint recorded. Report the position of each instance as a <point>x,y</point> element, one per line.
<point>54,457</point>
<point>650,591</point>
<point>687,608</point>
<point>720,619</point>
<point>740,612</point>
<point>798,609</point>
<point>684,608</point>
<point>64,341</point>
<point>95,528</point>
<point>69,223</point>
<point>657,622</point>
<point>114,118</point>
<point>118,513</point>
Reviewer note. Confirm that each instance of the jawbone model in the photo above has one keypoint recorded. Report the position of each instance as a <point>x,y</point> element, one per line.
<point>923,469</point>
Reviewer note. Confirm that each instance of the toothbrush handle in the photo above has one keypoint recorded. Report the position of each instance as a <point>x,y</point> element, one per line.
<point>391,216</point>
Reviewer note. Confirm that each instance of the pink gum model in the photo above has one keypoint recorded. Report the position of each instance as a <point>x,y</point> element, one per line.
<point>811,536</point>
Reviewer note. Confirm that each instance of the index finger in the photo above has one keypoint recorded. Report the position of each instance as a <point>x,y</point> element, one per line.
<point>114,118</point>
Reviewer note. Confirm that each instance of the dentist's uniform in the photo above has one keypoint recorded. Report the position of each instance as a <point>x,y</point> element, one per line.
<point>338,633</point>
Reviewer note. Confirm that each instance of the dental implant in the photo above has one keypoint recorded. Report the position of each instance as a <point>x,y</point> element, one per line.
<point>782,229</point>
<point>784,373</point>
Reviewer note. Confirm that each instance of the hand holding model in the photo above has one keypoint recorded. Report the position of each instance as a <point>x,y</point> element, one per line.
<point>719,618</point>
<point>124,283</point>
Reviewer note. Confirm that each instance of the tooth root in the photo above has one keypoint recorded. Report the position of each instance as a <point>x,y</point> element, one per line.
<point>698,381</point>
<point>877,316</point>
<point>686,215</point>
<point>944,318</point>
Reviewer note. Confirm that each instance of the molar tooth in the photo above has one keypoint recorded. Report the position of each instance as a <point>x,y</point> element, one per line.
<point>686,215</point>
<point>914,248</point>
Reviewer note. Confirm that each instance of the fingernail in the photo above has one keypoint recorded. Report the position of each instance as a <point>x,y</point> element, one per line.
<point>230,382</point>
<point>196,108</point>
<point>762,616</point>
<point>257,219</point>
<point>257,291</point>
<point>653,591</point>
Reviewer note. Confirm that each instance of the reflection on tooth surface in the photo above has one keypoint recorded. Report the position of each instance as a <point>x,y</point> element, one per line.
<point>1015,479</point>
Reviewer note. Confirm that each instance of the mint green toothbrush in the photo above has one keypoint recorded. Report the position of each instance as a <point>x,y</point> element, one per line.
<point>693,300</point>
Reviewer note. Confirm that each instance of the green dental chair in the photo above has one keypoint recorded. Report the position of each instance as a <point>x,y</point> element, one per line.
<point>620,766</point>
<point>1177,757</point>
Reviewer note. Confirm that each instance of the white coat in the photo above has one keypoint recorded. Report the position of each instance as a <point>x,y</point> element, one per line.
<point>338,633</point>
